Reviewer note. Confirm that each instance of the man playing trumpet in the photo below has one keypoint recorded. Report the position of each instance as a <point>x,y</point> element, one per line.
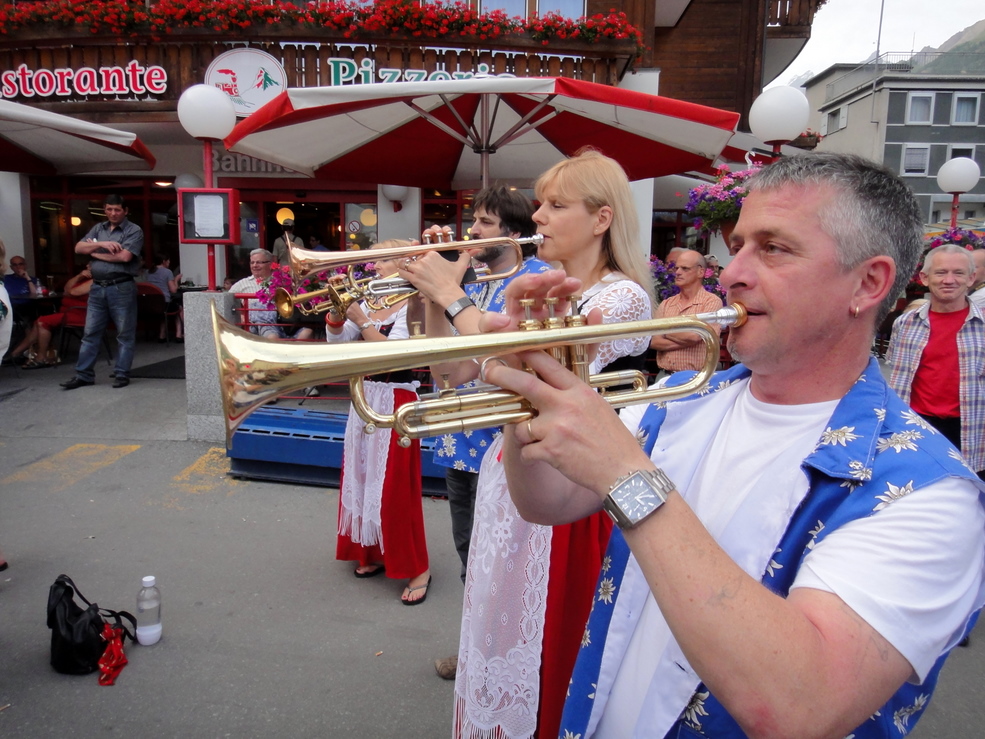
<point>798,551</point>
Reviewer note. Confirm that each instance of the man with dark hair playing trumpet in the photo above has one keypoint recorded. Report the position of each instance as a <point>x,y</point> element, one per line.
<point>797,551</point>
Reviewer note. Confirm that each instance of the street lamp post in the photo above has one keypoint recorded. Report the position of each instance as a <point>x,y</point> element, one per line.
<point>957,176</point>
<point>778,116</point>
<point>207,114</point>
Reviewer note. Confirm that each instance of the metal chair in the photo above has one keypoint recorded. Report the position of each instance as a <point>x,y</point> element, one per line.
<point>73,327</point>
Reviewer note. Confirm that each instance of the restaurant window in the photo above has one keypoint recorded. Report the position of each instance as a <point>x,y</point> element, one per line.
<point>447,208</point>
<point>360,225</point>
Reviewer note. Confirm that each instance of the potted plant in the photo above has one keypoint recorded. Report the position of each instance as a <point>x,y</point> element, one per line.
<point>715,206</point>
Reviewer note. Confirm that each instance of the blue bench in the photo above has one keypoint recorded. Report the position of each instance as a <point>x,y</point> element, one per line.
<point>298,445</point>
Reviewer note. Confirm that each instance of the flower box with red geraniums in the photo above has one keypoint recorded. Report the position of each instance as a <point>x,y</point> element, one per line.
<point>404,18</point>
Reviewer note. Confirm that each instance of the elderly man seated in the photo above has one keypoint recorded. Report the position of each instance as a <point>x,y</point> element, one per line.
<point>260,315</point>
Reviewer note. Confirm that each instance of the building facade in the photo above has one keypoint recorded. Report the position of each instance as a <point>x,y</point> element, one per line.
<point>125,65</point>
<point>912,112</point>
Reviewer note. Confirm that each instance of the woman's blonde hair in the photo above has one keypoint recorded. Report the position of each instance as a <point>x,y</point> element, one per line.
<point>597,180</point>
<point>3,259</point>
<point>390,243</point>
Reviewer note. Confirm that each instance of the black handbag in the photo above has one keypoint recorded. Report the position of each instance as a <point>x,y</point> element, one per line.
<point>77,640</point>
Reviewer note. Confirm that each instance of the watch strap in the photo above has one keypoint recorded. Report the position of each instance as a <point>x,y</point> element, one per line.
<point>656,480</point>
<point>457,307</point>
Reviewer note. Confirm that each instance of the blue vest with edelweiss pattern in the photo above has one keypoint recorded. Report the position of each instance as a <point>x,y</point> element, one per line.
<point>874,451</point>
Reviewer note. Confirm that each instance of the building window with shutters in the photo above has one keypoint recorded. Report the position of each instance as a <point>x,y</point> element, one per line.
<point>915,159</point>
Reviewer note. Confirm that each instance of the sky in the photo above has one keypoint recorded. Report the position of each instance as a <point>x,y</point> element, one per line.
<point>846,30</point>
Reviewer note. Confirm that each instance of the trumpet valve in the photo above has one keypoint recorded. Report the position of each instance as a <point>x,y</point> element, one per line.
<point>574,318</point>
<point>529,323</point>
<point>553,320</point>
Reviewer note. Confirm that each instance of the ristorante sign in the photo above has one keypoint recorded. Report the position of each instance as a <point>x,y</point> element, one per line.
<point>133,79</point>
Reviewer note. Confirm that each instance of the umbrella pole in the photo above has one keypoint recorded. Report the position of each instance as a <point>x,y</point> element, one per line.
<point>486,134</point>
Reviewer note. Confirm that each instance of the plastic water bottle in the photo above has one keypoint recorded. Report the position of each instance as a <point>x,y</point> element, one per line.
<point>149,612</point>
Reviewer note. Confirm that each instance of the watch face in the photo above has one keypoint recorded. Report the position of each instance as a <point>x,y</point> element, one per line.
<point>637,498</point>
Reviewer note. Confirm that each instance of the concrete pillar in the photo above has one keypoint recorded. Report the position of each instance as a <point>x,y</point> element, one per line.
<point>402,224</point>
<point>205,414</point>
<point>15,215</point>
<point>643,198</point>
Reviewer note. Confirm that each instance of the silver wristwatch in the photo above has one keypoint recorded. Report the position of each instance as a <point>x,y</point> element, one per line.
<point>636,496</point>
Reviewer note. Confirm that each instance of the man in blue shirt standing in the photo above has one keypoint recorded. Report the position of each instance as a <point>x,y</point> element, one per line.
<point>114,246</point>
<point>498,212</point>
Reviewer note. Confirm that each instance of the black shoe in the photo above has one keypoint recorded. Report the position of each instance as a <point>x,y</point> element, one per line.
<point>76,382</point>
<point>121,382</point>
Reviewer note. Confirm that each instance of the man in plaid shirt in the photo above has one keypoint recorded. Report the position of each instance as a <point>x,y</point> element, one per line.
<point>937,354</point>
<point>685,350</point>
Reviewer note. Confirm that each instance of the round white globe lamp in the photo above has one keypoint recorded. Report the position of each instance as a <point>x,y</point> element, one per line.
<point>778,116</point>
<point>957,176</point>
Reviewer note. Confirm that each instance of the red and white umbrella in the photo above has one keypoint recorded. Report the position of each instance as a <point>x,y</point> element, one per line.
<point>463,134</point>
<point>35,141</point>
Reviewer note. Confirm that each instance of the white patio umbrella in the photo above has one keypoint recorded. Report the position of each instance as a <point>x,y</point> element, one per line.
<point>35,141</point>
<point>465,133</point>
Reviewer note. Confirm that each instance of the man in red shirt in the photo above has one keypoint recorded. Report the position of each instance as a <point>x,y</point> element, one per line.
<point>937,353</point>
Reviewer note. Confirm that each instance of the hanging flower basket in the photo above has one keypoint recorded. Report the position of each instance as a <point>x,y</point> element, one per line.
<point>718,203</point>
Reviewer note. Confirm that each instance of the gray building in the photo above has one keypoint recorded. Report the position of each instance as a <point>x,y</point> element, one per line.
<point>912,112</point>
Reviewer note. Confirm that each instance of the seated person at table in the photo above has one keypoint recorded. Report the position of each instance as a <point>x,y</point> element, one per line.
<point>261,316</point>
<point>74,302</point>
<point>20,285</point>
<point>161,277</point>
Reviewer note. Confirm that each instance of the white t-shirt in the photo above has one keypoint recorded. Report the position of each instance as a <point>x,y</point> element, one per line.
<point>914,590</point>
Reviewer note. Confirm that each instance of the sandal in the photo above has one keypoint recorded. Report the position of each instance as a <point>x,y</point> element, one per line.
<point>35,364</point>
<point>377,570</point>
<point>420,600</point>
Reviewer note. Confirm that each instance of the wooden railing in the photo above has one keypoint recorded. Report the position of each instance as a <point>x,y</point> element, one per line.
<point>186,56</point>
<point>791,12</point>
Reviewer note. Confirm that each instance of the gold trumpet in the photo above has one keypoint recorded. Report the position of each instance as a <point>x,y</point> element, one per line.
<point>378,292</point>
<point>305,262</point>
<point>253,371</point>
<point>339,296</point>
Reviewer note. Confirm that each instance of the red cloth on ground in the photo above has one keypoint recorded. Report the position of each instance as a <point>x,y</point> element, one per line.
<point>937,382</point>
<point>113,661</point>
<point>577,550</point>
<point>401,513</point>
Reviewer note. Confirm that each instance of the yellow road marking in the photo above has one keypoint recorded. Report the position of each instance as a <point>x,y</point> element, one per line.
<point>205,473</point>
<point>59,471</point>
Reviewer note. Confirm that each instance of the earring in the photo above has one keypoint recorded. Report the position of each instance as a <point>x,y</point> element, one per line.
<point>856,311</point>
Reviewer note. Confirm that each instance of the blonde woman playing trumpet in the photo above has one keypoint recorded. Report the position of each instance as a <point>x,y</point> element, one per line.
<point>528,587</point>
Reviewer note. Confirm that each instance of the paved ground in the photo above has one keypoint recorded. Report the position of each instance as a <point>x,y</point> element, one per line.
<point>265,634</point>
